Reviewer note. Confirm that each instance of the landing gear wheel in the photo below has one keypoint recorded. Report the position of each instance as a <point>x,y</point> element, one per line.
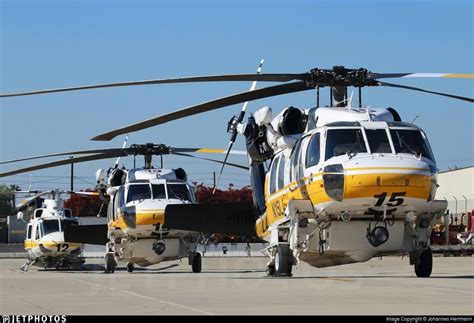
<point>197,263</point>
<point>283,261</point>
<point>271,270</point>
<point>109,263</point>
<point>130,267</point>
<point>424,265</point>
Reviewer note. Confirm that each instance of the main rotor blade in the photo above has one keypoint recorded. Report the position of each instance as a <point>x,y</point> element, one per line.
<point>208,106</point>
<point>212,160</point>
<point>63,162</point>
<point>426,91</point>
<point>207,151</point>
<point>420,75</point>
<point>76,152</point>
<point>192,79</point>
<point>31,198</point>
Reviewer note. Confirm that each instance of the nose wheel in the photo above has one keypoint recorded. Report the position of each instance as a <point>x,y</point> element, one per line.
<point>130,267</point>
<point>197,263</point>
<point>424,264</point>
<point>109,263</point>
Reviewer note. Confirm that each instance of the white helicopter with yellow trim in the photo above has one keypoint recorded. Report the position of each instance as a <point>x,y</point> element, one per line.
<point>344,184</point>
<point>44,241</point>
<point>136,232</point>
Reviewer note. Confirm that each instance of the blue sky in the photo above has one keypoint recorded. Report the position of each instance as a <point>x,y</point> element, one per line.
<point>47,44</point>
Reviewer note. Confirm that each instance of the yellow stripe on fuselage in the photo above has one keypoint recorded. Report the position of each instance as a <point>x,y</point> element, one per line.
<point>143,217</point>
<point>50,244</point>
<point>357,185</point>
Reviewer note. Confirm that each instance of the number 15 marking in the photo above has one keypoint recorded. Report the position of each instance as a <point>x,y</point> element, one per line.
<point>395,199</point>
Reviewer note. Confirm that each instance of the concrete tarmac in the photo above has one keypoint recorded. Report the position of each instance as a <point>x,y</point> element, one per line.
<point>239,286</point>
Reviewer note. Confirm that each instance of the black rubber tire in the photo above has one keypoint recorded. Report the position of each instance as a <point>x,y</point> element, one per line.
<point>271,270</point>
<point>130,267</point>
<point>109,263</point>
<point>197,263</point>
<point>283,260</point>
<point>424,265</point>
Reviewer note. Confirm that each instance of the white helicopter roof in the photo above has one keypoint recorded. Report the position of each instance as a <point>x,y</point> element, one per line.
<point>324,116</point>
<point>150,174</point>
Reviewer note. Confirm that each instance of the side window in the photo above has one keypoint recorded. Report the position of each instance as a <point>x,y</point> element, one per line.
<point>28,232</point>
<point>281,174</point>
<point>313,152</point>
<point>118,200</point>
<point>37,229</point>
<point>273,174</point>
<point>295,157</point>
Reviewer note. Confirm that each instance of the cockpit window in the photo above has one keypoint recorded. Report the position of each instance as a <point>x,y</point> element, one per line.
<point>159,192</point>
<point>178,191</point>
<point>378,141</point>
<point>410,142</point>
<point>50,226</point>
<point>344,141</point>
<point>138,192</point>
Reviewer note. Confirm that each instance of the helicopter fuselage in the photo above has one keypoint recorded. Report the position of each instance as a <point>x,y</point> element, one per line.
<point>136,217</point>
<point>346,191</point>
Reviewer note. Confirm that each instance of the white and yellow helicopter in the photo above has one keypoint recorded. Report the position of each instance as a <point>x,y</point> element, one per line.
<point>136,231</point>
<point>44,241</point>
<point>344,184</point>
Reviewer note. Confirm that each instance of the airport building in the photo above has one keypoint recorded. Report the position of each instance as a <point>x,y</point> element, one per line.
<point>457,187</point>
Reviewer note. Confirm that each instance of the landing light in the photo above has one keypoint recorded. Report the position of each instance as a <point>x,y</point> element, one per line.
<point>378,236</point>
<point>159,247</point>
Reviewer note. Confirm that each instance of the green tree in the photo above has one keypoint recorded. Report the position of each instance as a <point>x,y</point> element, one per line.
<point>7,198</point>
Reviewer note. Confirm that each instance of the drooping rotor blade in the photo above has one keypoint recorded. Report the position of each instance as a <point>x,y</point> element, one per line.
<point>84,193</point>
<point>207,151</point>
<point>212,160</point>
<point>420,75</point>
<point>192,79</point>
<point>208,106</point>
<point>426,91</point>
<point>77,152</point>
<point>233,127</point>
<point>31,198</point>
<point>64,162</point>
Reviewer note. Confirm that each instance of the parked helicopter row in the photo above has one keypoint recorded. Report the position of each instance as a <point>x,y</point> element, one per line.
<point>343,184</point>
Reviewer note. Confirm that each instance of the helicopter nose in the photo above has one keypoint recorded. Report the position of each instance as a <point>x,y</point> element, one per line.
<point>390,178</point>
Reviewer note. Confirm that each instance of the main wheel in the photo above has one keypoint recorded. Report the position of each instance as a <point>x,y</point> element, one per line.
<point>283,261</point>
<point>197,263</point>
<point>424,265</point>
<point>109,263</point>
<point>130,267</point>
<point>271,270</point>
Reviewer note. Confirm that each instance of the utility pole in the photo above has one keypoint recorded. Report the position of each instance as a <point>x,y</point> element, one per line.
<point>72,175</point>
<point>214,178</point>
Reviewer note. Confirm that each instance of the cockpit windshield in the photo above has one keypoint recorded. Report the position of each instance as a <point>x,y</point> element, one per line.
<point>178,191</point>
<point>50,226</point>
<point>344,141</point>
<point>410,142</point>
<point>378,141</point>
<point>159,192</point>
<point>138,192</point>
